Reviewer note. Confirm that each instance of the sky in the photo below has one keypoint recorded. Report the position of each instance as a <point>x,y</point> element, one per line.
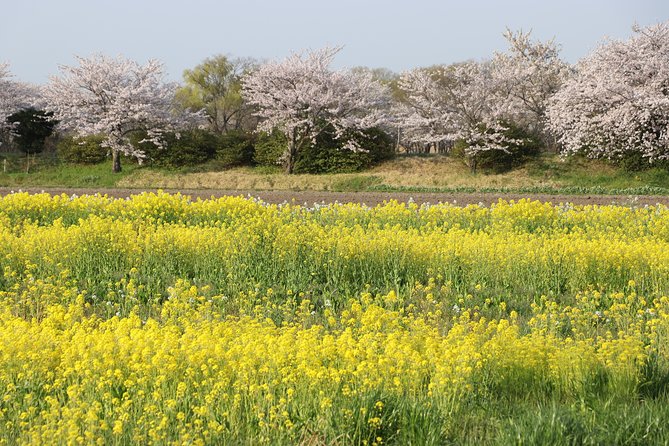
<point>36,36</point>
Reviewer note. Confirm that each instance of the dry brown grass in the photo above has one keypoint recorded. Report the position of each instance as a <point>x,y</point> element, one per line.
<point>238,178</point>
<point>437,172</point>
<point>445,172</point>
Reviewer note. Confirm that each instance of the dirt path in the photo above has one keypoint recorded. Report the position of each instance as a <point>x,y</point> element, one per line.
<point>369,198</point>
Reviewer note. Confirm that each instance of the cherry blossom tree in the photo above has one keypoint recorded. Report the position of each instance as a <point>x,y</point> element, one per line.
<point>444,104</point>
<point>13,95</point>
<point>618,102</point>
<point>302,97</point>
<point>114,97</point>
<point>527,75</point>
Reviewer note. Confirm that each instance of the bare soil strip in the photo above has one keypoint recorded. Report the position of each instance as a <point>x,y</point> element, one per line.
<point>368,198</point>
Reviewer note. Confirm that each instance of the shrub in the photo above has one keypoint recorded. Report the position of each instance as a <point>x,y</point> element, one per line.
<point>380,145</point>
<point>82,150</point>
<point>235,147</point>
<point>269,147</point>
<point>327,154</point>
<point>518,154</point>
<point>185,148</point>
<point>636,162</point>
<point>500,161</point>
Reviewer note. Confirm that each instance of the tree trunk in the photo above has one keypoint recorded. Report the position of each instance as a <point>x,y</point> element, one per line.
<point>116,161</point>
<point>399,134</point>
<point>292,153</point>
<point>472,163</point>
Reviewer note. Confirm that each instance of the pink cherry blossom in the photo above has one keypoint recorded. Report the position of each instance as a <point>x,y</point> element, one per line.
<point>301,97</point>
<point>618,101</point>
<point>114,97</point>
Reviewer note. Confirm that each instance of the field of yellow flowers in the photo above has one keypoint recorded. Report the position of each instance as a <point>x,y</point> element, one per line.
<point>164,320</point>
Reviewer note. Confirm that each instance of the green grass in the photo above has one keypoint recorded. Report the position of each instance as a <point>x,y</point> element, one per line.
<point>580,172</point>
<point>594,421</point>
<point>68,175</point>
<point>355,183</point>
<point>548,174</point>
<point>569,190</point>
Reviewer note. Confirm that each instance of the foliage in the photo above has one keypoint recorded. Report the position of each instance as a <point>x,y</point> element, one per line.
<point>235,147</point>
<point>326,155</point>
<point>522,147</point>
<point>301,97</point>
<point>635,162</point>
<point>329,155</point>
<point>618,102</point>
<point>86,150</point>
<point>186,148</point>
<point>378,144</point>
<point>31,128</point>
<point>114,98</point>
<point>215,87</point>
<point>194,147</point>
<point>269,148</point>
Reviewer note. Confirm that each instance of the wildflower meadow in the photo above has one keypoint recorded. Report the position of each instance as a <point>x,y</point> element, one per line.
<point>164,320</point>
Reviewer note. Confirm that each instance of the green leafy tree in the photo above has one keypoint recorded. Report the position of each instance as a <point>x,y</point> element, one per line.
<point>215,87</point>
<point>31,128</point>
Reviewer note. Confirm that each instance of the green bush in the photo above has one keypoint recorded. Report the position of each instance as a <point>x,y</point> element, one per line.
<point>327,154</point>
<point>269,147</point>
<point>636,162</point>
<point>235,148</point>
<point>499,161</point>
<point>185,148</point>
<point>379,144</point>
<point>518,154</point>
<point>82,150</point>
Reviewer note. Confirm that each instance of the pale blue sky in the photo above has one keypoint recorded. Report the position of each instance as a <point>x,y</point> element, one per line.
<point>37,35</point>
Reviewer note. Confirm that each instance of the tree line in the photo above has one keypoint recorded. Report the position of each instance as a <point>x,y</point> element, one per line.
<point>306,116</point>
